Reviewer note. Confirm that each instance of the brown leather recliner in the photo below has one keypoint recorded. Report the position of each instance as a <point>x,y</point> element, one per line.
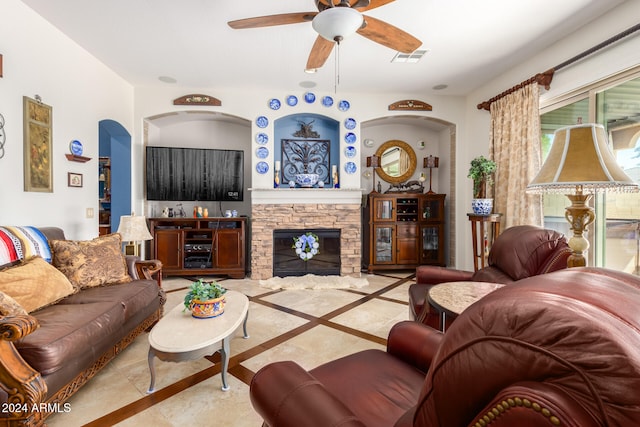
<point>519,252</point>
<point>558,349</point>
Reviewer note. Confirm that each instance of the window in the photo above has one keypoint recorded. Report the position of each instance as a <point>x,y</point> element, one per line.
<point>615,235</point>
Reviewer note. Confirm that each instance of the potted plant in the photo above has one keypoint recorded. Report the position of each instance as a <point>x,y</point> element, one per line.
<point>205,299</point>
<point>481,172</point>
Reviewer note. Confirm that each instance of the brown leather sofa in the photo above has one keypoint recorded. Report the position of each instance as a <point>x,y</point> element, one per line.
<point>519,252</point>
<point>555,349</point>
<point>46,356</point>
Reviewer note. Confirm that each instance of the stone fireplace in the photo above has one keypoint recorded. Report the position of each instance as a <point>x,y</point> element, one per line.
<point>306,214</point>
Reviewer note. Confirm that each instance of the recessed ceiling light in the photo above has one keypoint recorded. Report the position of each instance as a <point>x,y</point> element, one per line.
<point>440,87</point>
<point>167,79</point>
<point>412,58</point>
<point>307,84</point>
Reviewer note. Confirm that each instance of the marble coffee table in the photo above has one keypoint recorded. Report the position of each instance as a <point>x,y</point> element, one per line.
<point>179,337</point>
<point>452,298</point>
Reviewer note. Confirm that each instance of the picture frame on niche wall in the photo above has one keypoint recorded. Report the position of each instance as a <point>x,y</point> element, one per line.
<point>38,169</point>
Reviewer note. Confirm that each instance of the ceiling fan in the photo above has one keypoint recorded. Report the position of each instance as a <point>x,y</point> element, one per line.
<point>335,20</point>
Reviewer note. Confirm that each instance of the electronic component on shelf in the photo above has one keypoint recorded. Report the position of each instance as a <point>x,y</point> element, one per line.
<point>197,262</point>
<point>197,247</point>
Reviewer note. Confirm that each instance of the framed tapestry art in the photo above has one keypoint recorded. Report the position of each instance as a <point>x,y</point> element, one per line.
<point>38,170</point>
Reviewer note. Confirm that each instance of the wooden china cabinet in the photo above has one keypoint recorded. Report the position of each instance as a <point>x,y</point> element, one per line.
<point>403,230</point>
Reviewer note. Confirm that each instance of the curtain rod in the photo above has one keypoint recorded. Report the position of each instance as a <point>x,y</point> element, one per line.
<point>544,79</point>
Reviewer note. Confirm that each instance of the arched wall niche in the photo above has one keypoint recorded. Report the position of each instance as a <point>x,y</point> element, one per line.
<point>310,137</point>
<point>427,136</point>
<point>199,129</point>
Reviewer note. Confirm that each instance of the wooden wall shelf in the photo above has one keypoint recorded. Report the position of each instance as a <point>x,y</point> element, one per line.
<point>74,158</point>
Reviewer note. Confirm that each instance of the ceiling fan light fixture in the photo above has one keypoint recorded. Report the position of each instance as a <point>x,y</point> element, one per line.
<point>337,23</point>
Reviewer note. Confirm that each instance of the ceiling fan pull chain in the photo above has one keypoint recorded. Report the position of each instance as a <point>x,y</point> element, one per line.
<point>337,73</point>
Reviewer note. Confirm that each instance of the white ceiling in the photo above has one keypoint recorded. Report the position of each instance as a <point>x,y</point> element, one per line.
<point>468,41</point>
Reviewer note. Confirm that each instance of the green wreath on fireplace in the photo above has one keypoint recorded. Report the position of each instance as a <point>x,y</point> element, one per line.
<point>306,245</point>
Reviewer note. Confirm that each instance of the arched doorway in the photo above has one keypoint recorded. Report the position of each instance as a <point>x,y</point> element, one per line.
<point>114,146</point>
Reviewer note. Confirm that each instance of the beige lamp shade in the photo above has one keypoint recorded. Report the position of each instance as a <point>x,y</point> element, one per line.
<point>133,228</point>
<point>580,156</point>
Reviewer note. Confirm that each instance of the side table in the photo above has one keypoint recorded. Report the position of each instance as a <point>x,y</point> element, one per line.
<point>452,298</point>
<point>483,236</point>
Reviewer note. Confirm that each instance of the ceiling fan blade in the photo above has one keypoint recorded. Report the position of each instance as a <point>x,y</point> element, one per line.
<point>272,20</point>
<point>372,4</point>
<point>319,53</point>
<point>388,35</point>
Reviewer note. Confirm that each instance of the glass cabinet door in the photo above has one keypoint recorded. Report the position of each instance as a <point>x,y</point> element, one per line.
<point>430,244</point>
<point>431,210</point>
<point>383,209</point>
<point>384,244</point>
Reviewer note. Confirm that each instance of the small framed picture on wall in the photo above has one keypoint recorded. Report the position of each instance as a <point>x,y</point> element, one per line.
<point>74,179</point>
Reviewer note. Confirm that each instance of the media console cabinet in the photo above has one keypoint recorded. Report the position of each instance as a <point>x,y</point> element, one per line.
<point>200,246</point>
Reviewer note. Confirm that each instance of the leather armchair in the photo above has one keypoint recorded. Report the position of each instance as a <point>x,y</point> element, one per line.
<point>519,252</point>
<point>559,349</point>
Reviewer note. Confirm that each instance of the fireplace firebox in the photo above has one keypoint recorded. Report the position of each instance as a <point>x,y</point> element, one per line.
<point>287,263</point>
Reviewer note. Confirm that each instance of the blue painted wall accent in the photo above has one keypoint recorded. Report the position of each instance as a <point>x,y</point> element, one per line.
<point>328,128</point>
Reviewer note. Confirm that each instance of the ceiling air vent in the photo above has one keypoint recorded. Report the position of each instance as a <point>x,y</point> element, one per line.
<point>411,58</point>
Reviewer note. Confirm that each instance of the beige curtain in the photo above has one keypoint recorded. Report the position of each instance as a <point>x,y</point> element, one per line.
<point>515,147</point>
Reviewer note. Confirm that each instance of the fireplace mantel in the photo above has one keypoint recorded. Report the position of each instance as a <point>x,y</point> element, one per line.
<point>306,195</point>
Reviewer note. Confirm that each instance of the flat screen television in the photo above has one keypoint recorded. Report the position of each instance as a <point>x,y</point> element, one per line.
<point>194,174</point>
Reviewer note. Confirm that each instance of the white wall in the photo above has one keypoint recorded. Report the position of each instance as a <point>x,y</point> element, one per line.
<point>38,59</point>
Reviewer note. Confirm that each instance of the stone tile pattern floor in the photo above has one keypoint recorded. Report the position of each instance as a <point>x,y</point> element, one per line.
<point>308,326</point>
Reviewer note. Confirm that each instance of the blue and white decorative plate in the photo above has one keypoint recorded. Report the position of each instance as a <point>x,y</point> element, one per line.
<point>350,167</point>
<point>344,105</point>
<point>262,167</point>
<point>262,152</point>
<point>262,122</point>
<point>262,138</point>
<point>274,104</point>
<point>75,147</point>
<point>292,100</point>
<point>350,138</point>
<point>350,123</point>
<point>309,97</point>
<point>350,151</point>
<point>327,101</point>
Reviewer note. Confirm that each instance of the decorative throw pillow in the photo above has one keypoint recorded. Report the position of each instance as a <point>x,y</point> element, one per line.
<point>34,283</point>
<point>91,263</point>
<point>9,306</point>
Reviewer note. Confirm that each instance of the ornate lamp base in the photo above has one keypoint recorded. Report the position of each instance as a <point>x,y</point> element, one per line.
<point>579,215</point>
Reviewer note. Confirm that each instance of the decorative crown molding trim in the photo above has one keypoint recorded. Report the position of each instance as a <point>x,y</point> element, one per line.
<point>410,105</point>
<point>197,99</point>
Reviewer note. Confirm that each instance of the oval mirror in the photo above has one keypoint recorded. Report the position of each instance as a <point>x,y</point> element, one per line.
<point>397,161</point>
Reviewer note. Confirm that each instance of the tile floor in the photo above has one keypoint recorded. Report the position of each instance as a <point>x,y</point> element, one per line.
<point>307,326</point>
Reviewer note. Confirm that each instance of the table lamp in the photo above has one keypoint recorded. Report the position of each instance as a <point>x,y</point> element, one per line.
<point>133,229</point>
<point>373,162</point>
<point>580,163</point>
<point>430,162</point>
